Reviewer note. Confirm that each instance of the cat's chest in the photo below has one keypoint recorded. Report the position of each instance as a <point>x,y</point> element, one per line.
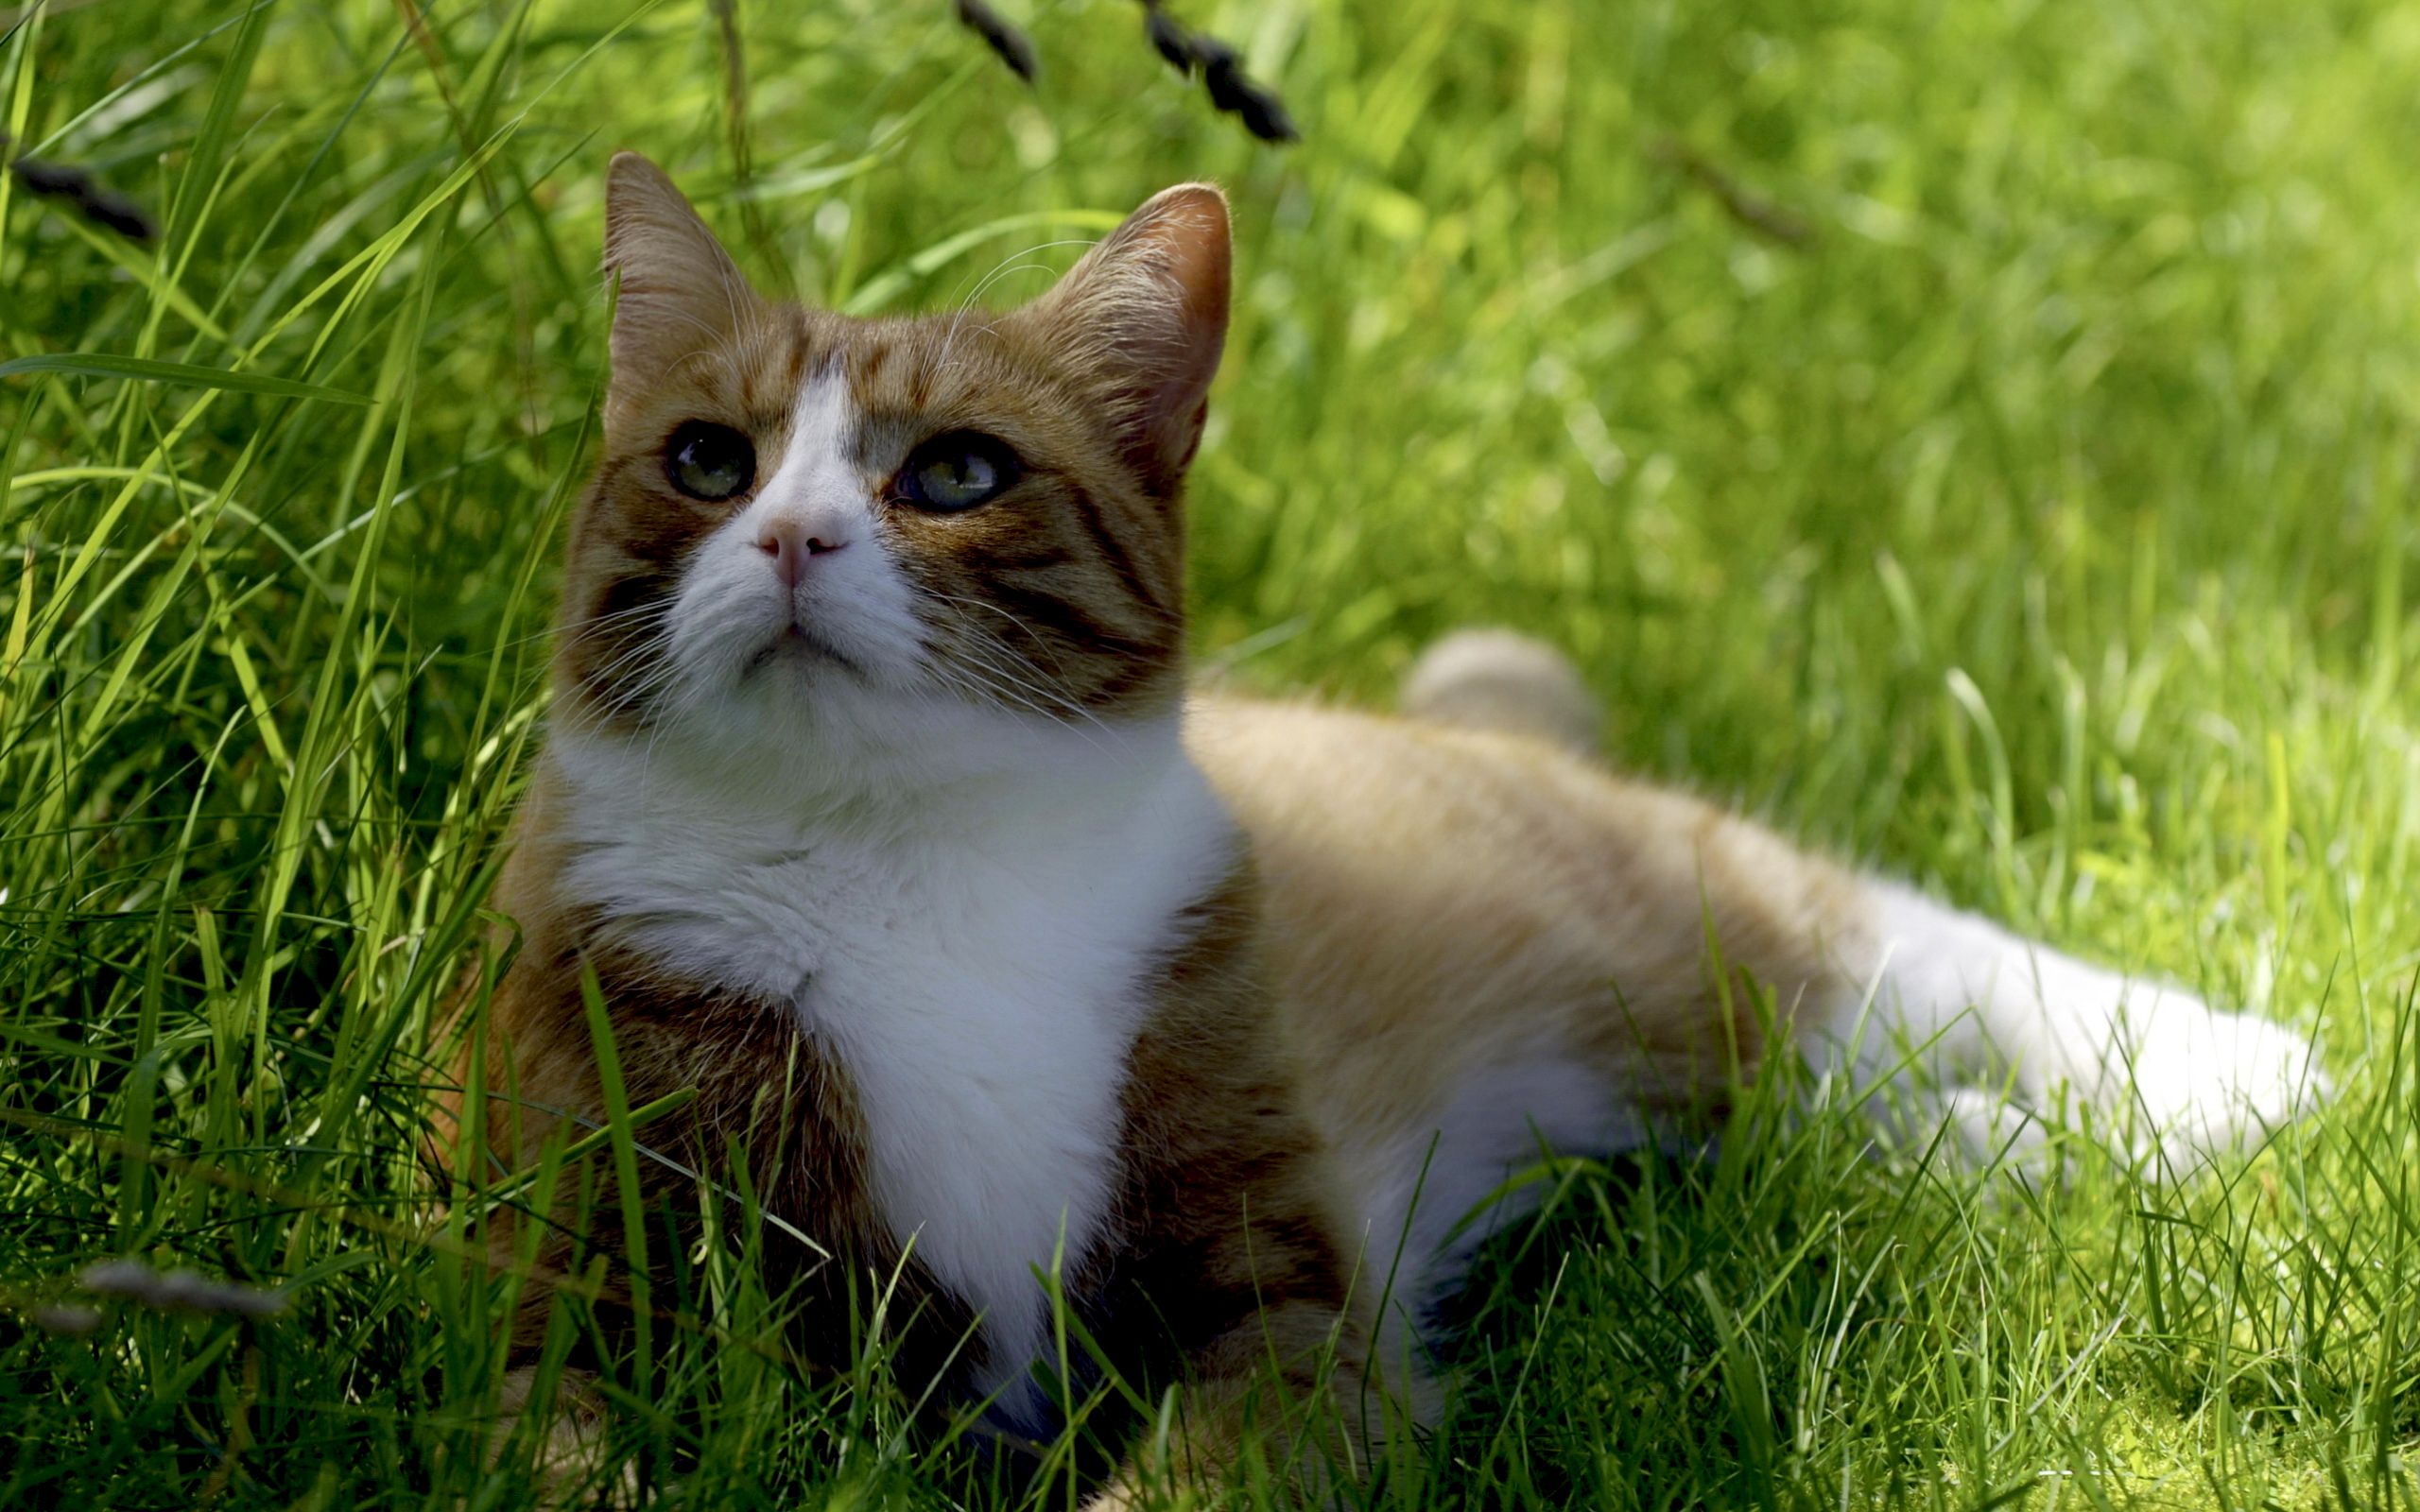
<point>982,987</point>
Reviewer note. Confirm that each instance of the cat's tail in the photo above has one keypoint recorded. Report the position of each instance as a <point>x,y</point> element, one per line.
<point>1499,679</point>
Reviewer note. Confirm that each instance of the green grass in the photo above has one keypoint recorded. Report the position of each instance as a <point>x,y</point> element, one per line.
<point>2037,527</point>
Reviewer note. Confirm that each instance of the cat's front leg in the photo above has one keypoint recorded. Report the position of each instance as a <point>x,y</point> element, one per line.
<point>1234,1278</point>
<point>571,1453</point>
<point>2150,1060</point>
<point>1289,1389</point>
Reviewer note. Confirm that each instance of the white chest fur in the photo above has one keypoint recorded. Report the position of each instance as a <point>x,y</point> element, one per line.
<point>977,967</point>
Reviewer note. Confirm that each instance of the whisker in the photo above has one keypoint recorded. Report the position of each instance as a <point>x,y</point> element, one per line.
<point>970,658</point>
<point>1012,262</point>
<point>1006,649</point>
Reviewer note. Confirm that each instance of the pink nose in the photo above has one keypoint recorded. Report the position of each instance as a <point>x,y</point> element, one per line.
<point>792,542</point>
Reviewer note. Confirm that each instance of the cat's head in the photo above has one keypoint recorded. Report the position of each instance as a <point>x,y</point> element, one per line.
<point>832,532</point>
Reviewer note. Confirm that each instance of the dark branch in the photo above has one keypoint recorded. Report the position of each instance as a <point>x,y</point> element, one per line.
<point>1769,218</point>
<point>80,192</point>
<point>1171,40</point>
<point>1231,89</point>
<point>1011,45</point>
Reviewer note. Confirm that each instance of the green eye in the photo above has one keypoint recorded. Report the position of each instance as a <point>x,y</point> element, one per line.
<point>958,471</point>
<point>708,461</point>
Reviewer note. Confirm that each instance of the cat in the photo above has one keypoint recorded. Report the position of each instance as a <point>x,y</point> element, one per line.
<point>877,810</point>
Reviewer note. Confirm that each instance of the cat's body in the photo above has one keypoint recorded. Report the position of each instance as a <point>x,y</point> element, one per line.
<point>885,822</point>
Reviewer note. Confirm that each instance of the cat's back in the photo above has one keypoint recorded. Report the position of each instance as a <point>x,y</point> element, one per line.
<point>1416,873</point>
<point>1446,903</point>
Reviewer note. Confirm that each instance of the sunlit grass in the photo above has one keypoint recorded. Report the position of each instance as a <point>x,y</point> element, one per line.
<point>2035,525</point>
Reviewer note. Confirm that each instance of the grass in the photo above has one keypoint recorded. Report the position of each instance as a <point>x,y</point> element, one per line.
<point>2035,525</point>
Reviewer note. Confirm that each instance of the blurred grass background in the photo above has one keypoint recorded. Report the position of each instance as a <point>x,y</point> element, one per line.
<point>1978,434</point>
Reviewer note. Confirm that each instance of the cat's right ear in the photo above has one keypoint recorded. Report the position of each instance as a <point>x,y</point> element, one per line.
<point>681,294</point>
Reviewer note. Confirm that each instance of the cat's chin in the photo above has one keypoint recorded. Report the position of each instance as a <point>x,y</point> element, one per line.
<point>799,653</point>
<point>801,720</point>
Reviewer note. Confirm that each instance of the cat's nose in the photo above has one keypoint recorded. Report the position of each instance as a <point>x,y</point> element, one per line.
<point>792,544</point>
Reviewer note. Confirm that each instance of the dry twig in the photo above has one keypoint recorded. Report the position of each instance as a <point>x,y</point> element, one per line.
<point>1766,217</point>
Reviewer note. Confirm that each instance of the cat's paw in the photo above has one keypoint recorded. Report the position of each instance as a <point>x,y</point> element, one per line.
<point>2197,1082</point>
<point>2144,1061</point>
<point>571,1452</point>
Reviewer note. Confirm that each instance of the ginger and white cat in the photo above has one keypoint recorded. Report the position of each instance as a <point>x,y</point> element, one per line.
<point>878,804</point>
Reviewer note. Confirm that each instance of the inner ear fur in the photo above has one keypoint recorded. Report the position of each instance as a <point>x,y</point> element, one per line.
<point>680,298</point>
<point>1144,317</point>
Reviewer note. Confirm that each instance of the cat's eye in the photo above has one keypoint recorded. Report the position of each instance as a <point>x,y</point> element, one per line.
<point>958,471</point>
<point>709,461</point>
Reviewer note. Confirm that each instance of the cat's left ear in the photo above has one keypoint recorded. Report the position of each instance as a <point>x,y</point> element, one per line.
<point>1145,315</point>
<point>681,294</point>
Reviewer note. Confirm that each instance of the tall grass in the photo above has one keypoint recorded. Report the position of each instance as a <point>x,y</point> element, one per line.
<point>1980,437</point>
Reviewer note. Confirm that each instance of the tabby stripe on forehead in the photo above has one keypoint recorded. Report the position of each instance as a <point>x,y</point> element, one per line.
<point>801,348</point>
<point>1088,515</point>
<point>869,371</point>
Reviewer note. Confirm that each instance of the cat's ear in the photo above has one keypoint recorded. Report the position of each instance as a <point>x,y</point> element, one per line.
<point>1145,316</point>
<point>681,294</point>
